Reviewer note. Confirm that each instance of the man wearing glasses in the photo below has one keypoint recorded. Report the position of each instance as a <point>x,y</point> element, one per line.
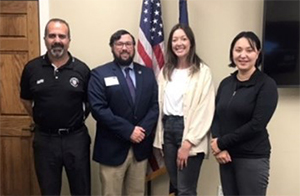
<point>123,98</point>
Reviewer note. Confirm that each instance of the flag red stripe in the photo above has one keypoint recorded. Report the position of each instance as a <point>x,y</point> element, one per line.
<point>159,55</point>
<point>143,54</point>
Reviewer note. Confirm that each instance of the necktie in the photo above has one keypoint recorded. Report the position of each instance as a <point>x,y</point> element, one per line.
<point>130,83</point>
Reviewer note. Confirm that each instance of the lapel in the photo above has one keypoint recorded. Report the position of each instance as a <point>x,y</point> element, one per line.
<point>139,82</point>
<point>118,72</point>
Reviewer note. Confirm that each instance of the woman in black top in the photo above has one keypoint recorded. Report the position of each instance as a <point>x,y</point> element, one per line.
<point>245,103</point>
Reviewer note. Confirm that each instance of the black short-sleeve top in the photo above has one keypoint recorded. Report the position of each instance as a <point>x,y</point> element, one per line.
<point>58,95</point>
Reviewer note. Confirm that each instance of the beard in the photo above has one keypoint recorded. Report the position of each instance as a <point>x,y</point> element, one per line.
<point>57,50</point>
<point>123,62</point>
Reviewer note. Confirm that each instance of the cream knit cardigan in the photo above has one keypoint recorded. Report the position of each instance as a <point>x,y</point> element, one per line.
<point>198,110</point>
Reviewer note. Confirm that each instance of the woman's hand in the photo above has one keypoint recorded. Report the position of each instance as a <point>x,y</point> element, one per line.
<point>223,157</point>
<point>214,146</point>
<point>183,154</point>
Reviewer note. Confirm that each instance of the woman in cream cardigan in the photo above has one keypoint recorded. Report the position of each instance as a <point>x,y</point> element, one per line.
<point>186,103</point>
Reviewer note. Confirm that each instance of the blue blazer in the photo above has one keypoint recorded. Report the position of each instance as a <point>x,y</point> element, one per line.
<point>117,115</point>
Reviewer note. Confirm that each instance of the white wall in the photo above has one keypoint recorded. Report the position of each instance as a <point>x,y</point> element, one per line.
<point>215,23</point>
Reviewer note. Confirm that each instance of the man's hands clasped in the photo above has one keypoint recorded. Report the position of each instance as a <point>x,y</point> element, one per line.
<point>138,134</point>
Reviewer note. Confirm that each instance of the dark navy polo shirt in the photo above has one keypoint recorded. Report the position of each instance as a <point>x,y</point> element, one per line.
<point>58,95</point>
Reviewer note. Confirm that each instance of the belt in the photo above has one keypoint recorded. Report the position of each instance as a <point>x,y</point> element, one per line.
<point>175,117</point>
<point>59,131</point>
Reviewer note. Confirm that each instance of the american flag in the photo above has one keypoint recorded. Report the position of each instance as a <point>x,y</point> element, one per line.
<point>150,52</point>
<point>150,47</point>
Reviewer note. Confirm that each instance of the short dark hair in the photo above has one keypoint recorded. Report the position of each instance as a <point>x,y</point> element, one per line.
<point>57,20</point>
<point>117,35</point>
<point>254,44</point>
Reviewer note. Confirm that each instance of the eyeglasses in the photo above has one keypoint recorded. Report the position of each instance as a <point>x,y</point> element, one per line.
<point>121,44</point>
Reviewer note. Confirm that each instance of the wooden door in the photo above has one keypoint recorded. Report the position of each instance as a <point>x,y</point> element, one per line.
<point>19,42</point>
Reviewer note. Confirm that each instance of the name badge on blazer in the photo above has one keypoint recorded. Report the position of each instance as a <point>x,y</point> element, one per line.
<point>111,81</point>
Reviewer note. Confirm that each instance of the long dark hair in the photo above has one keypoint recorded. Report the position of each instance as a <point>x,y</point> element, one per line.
<point>172,59</point>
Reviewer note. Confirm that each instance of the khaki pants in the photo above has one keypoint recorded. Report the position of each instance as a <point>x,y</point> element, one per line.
<point>127,179</point>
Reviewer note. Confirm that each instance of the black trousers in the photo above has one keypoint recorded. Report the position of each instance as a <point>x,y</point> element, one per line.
<point>52,152</point>
<point>184,181</point>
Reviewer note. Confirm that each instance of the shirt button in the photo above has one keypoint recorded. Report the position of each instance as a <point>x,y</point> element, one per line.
<point>56,77</point>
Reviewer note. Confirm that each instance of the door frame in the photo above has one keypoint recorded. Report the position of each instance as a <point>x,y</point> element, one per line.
<point>44,16</point>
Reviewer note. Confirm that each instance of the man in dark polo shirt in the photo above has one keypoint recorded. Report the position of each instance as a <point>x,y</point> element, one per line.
<point>54,92</point>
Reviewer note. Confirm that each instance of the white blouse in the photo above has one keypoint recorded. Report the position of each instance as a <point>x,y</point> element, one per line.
<point>174,91</point>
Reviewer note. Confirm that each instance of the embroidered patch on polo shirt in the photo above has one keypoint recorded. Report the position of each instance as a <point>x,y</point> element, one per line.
<point>40,81</point>
<point>74,82</point>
